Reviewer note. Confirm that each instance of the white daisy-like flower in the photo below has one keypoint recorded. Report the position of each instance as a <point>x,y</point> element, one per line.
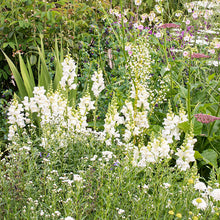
<point>199,203</point>
<point>215,194</point>
<point>138,2</point>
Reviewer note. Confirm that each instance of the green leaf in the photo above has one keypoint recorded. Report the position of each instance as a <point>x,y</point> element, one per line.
<point>184,126</point>
<point>17,76</point>
<point>183,92</point>
<point>197,127</point>
<point>211,77</point>
<point>44,78</point>
<point>4,45</point>
<point>26,78</point>
<point>197,155</point>
<point>210,157</point>
<point>58,61</point>
<point>30,73</point>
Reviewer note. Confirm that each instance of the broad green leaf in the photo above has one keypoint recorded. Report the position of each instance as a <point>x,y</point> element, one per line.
<point>210,157</point>
<point>183,92</point>
<point>5,45</point>
<point>184,126</point>
<point>197,127</point>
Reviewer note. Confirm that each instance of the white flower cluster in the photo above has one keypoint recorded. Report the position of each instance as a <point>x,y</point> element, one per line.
<point>155,150</point>
<point>98,83</point>
<point>171,123</point>
<point>107,155</point>
<point>52,110</point>
<point>186,153</point>
<point>69,74</point>
<point>86,104</point>
<point>135,121</point>
<point>140,93</point>
<point>140,61</point>
<point>112,120</point>
<point>15,118</point>
<point>143,84</point>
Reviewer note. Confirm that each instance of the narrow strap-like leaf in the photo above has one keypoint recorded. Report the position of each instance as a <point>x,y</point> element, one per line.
<point>17,77</point>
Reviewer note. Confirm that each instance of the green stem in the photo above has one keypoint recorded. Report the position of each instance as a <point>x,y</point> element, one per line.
<point>188,92</point>
<point>213,123</point>
<point>94,113</point>
<point>123,31</point>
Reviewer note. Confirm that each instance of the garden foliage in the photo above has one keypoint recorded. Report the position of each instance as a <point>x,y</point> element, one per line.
<point>122,120</point>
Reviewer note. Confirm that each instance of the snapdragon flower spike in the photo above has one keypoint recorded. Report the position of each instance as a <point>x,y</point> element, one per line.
<point>69,74</point>
<point>98,83</point>
<point>86,104</point>
<point>139,63</point>
<point>186,153</point>
<point>157,149</point>
<point>16,118</point>
<point>206,119</point>
<point>112,120</point>
<point>171,130</point>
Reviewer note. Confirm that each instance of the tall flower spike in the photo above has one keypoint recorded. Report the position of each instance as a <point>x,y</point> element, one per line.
<point>69,73</point>
<point>98,83</point>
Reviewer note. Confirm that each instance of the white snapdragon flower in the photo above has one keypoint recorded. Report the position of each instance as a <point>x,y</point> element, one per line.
<point>142,96</point>
<point>171,122</point>
<point>112,120</point>
<point>86,104</point>
<point>98,83</point>
<point>186,153</point>
<point>69,74</point>
<point>155,150</point>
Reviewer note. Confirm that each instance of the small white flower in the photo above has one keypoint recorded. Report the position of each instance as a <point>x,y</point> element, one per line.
<point>200,186</point>
<point>199,203</point>
<point>215,194</point>
<point>166,185</point>
<point>120,211</point>
<point>69,218</point>
<point>158,34</point>
<point>77,178</point>
<point>195,15</point>
<point>138,2</point>
<point>41,212</point>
